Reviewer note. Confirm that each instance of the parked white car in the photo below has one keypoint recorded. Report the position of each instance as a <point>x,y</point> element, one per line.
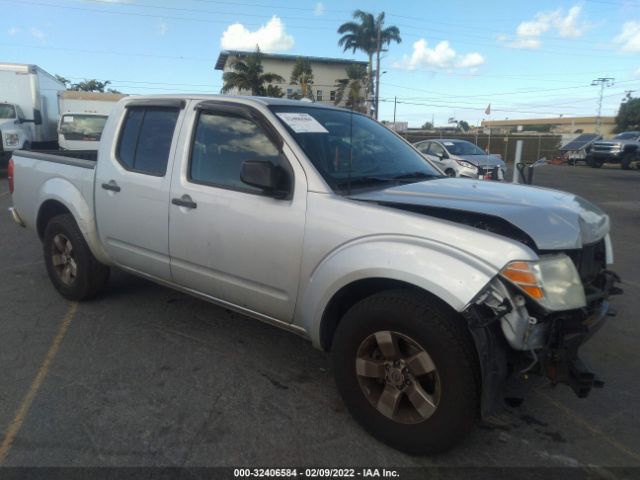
<point>459,158</point>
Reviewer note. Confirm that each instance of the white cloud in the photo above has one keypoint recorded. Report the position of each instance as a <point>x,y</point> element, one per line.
<point>13,31</point>
<point>470,60</point>
<point>270,37</point>
<point>163,28</point>
<point>570,26</point>
<point>37,34</point>
<point>629,37</point>
<point>442,56</point>
<point>528,33</point>
<point>525,43</point>
<point>319,9</point>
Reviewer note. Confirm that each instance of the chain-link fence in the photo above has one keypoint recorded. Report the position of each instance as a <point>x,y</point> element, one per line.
<point>534,147</point>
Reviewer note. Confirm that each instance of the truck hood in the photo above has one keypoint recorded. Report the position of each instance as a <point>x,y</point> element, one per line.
<point>554,220</point>
<point>477,160</point>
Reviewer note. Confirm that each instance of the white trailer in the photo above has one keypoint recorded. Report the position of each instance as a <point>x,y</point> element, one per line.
<point>82,118</point>
<point>28,107</point>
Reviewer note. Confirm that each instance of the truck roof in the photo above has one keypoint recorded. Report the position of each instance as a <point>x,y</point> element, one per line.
<point>259,100</point>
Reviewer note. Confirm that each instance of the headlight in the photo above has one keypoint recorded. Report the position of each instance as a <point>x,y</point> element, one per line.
<point>11,139</point>
<point>464,164</point>
<point>553,282</point>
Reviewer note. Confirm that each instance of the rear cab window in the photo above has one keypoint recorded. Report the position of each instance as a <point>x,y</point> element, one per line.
<point>145,139</point>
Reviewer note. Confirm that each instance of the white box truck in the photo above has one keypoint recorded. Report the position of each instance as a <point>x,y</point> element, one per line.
<point>28,108</point>
<point>82,118</point>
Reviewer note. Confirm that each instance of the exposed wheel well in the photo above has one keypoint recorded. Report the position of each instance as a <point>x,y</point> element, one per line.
<point>48,210</point>
<point>348,296</point>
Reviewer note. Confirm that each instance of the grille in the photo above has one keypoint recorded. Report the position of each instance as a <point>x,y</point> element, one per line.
<point>488,173</point>
<point>589,261</point>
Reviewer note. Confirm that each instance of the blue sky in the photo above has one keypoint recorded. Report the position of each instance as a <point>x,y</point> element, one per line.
<point>528,59</point>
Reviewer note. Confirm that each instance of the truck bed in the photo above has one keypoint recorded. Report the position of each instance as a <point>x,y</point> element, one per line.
<point>87,158</point>
<point>38,173</point>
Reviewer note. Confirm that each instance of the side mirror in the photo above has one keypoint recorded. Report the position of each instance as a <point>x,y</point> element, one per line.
<point>272,179</point>
<point>37,117</point>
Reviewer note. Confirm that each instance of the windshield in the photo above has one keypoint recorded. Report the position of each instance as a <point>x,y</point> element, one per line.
<point>7,111</point>
<point>351,150</point>
<point>82,127</point>
<point>628,135</point>
<point>461,147</point>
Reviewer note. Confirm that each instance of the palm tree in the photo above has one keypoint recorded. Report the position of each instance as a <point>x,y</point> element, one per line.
<point>360,35</point>
<point>384,37</point>
<point>249,75</point>
<point>352,86</point>
<point>302,75</point>
<point>369,36</point>
<point>271,91</point>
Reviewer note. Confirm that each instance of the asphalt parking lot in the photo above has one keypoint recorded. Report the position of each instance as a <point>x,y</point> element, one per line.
<point>145,376</point>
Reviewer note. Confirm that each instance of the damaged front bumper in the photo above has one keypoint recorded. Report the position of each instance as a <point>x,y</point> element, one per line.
<point>513,335</point>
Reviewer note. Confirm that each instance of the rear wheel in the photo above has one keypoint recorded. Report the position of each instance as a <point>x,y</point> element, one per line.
<point>594,162</point>
<point>407,370</point>
<point>72,268</point>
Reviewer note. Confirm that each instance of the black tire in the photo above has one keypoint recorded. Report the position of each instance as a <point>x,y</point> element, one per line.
<point>90,275</point>
<point>440,332</point>
<point>450,173</point>
<point>625,161</point>
<point>594,162</point>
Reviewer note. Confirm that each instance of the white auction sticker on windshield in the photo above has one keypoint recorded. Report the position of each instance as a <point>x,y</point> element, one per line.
<point>448,144</point>
<point>67,119</point>
<point>302,123</point>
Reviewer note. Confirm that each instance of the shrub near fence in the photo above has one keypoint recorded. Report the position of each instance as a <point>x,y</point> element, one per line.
<point>534,147</point>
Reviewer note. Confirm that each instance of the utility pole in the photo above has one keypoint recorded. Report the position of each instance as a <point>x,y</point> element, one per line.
<point>378,65</point>
<point>601,82</point>
<point>395,102</point>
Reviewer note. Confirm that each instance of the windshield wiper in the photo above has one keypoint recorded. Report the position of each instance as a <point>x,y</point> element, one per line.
<point>414,176</point>
<point>365,180</point>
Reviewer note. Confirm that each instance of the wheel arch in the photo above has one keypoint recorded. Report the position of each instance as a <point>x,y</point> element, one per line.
<point>58,196</point>
<point>352,293</point>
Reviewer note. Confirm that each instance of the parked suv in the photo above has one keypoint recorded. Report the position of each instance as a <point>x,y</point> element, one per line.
<point>624,149</point>
<point>459,158</point>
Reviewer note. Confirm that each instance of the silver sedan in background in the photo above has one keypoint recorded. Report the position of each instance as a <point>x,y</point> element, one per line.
<point>459,158</point>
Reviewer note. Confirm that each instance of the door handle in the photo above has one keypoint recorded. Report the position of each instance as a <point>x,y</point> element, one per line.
<point>112,185</point>
<point>184,201</point>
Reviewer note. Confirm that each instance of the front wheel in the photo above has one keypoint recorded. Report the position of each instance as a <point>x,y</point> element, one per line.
<point>72,268</point>
<point>450,173</point>
<point>407,370</point>
<point>625,161</point>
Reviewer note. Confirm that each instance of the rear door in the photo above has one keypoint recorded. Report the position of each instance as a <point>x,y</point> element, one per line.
<point>133,185</point>
<point>229,240</point>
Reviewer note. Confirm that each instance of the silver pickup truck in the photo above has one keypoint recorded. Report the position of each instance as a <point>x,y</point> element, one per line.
<point>426,290</point>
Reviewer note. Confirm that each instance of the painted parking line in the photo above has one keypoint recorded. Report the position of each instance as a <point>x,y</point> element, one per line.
<point>586,424</point>
<point>23,410</point>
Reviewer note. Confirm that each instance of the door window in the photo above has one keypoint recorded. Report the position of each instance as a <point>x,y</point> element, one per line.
<point>145,139</point>
<point>221,143</point>
<point>424,147</point>
<point>437,150</point>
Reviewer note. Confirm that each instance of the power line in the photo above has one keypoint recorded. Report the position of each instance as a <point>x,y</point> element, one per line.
<point>305,27</point>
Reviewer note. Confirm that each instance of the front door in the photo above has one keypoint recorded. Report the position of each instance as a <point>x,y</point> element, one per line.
<point>229,240</point>
<point>132,189</point>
